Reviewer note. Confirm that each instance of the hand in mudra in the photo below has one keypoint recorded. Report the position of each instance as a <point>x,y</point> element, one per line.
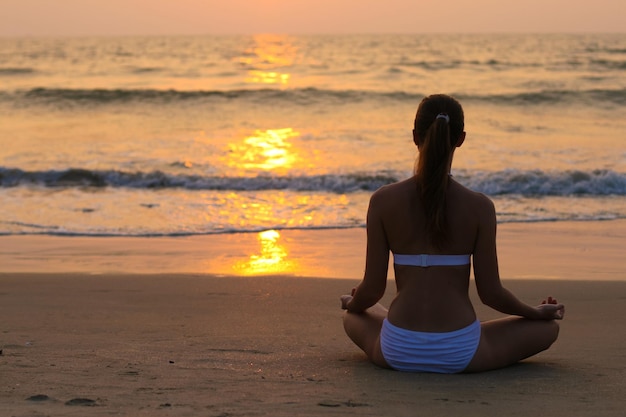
<point>345,299</point>
<point>550,309</point>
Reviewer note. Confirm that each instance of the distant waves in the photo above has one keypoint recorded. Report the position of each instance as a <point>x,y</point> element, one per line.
<point>295,96</point>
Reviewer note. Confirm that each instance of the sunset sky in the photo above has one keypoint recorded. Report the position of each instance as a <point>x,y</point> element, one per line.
<point>185,17</point>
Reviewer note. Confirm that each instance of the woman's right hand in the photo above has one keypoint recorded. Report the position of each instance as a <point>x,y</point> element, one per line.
<point>550,309</point>
<point>345,299</point>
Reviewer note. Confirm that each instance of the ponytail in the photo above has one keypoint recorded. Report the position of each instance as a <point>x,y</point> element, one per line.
<point>438,125</point>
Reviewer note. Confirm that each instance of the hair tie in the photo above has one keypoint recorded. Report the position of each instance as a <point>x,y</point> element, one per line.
<point>443,116</point>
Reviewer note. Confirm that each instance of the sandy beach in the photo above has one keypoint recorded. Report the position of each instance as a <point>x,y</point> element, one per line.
<point>105,326</point>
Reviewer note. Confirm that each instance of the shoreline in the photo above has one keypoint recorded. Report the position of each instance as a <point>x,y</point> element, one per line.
<point>559,250</point>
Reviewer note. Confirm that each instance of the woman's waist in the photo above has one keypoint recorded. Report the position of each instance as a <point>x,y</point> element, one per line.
<point>431,316</point>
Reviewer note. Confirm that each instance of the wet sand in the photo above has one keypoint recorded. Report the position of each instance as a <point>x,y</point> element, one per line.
<point>560,250</point>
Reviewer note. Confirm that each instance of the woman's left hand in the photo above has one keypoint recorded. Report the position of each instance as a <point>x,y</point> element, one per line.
<point>550,309</point>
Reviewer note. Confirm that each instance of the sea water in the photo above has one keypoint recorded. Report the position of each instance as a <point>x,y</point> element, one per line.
<point>168,136</point>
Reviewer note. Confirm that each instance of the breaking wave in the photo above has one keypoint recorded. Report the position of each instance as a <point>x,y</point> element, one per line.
<point>507,182</point>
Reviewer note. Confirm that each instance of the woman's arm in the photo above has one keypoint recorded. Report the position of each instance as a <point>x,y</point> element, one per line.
<point>372,288</point>
<point>487,276</point>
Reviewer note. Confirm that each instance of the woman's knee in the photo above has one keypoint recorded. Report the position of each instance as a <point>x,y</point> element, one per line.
<point>348,321</point>
<point>356,326</point>
<point>552,332</point>
<point>508,341</point>
<point>544,336</point>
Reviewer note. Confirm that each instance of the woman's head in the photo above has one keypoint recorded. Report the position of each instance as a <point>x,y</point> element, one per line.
<point>438,130</point>
<point>426,118</point>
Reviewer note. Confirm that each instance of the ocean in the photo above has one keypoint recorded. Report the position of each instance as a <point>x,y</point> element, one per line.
<point>171,136</point>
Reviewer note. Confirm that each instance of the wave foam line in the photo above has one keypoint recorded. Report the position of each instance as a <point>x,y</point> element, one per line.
<point>539,183</point>
<point>508,182</point>
<point>76,177</point>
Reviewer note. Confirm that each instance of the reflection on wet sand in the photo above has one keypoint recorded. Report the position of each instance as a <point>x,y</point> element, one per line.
<point>271,259</point>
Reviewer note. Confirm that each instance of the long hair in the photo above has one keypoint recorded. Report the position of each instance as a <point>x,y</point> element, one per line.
<point>439,123</point>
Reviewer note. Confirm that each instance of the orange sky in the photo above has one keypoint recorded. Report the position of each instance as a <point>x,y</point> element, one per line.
<point>154,17</point>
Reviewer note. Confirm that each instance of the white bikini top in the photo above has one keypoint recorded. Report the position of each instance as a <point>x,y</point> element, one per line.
<point>431,260</point>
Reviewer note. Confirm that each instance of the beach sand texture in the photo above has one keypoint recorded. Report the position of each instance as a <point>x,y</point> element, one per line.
<point>196,344</point>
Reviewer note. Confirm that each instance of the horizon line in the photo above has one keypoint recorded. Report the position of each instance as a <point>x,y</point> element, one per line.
<point>304,34</point>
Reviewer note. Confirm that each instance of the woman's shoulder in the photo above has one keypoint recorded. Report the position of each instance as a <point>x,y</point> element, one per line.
<point>467,192</point>
<point>469,199</point>
<point>388,198</point>
<point>395,190</point>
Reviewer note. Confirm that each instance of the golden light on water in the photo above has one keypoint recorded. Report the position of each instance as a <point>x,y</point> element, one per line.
<point>267,150</point>
<point>268,59</point>
<point>264,77</point>
<point>271,259</point>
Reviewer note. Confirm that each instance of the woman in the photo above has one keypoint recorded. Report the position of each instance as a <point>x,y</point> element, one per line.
<point>432,225</point>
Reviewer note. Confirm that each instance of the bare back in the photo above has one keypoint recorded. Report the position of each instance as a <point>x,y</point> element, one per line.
<point>435,298</point>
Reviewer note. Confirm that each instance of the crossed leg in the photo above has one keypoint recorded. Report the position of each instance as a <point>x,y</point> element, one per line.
<point>509,340</point>
<point>364,330</point>
<point>503,342</point>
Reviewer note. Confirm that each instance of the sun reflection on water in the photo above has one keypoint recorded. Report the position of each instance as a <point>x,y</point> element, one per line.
<point>264,77</point>
<point>266,150</point>
<point>272,258</point>
<point>268,58</point>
